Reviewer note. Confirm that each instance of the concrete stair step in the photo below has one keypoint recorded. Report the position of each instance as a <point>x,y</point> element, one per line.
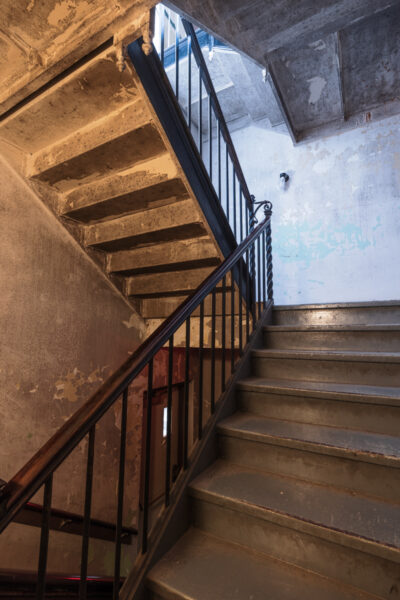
<point>366,408</point>
<point>203,567</point>
<point>109,145</point>
<point>86,95</point>
<point>164,284</point>
<point>367,368</point>
<point>180,220</point>
<point>365,463</point>
<point>169,256</point>
<point>375,338</point>
<point>353,538</point>
<point>149,184</point>
<point>361,313</point>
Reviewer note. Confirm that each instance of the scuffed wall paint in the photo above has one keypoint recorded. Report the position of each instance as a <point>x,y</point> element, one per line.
<point>65,329</point>
<point>336,229</point>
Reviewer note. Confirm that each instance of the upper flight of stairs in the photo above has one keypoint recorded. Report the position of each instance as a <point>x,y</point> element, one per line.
<point>304,499</point>
<point>96,152</point>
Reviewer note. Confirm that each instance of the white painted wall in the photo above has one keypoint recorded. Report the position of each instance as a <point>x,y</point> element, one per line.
<point>336,230</point>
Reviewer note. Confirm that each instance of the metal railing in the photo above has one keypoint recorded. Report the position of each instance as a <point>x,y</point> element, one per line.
<point>181,54</point>
<point>225,301</point>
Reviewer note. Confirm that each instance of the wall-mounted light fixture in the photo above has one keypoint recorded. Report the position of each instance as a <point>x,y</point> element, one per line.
<point>283,181</point>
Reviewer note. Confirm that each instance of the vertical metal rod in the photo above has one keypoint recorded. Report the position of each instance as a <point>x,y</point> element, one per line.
<point>269,263</point>
<point>169,418</point>
<point>189,43</point>
<point>241,213</point>
<point>240,265</point>
<point>210,137</point>
<point>219,162</point>
<point>201,348</point>
<point>213,311</point>
<point>232,322</point>
<point>177,59</point>
<point>186,395</point>
<point>121,485</point>
<point>227,181</point>
<point>147,463</point>
<point>200,113</point>
<point>44,539</point>
<point>234,202</point>
<point>86,516</point>
<point>248,297</point>
<point>253,285</point>
<point>264,252</point>
<point>259,275</point>
<point>247,220</point>
<point>223,334</point>
<point>162,34</point>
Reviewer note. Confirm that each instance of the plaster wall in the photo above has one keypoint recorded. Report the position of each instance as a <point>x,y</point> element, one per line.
<point>64,330</point>
<point>336,229</point>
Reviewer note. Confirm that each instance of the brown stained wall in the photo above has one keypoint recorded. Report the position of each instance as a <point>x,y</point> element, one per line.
<point>64,330</point>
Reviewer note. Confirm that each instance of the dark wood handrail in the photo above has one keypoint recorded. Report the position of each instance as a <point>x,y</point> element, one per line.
<point>33,475</point>
<point>217,109</point>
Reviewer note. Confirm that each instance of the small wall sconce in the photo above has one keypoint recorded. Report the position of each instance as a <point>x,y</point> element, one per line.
<point>283,181</point>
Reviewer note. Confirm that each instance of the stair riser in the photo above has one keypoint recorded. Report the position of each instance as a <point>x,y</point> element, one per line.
<point>362,477</point>
<point>363,341</point>
<point>343,371</point>
<point>338,316</point>
<point>294,545</point>
<point>375,418</point>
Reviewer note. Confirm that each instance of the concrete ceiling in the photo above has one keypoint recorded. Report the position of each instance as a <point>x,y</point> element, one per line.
<point>331,63</point>
<point>41,38</point>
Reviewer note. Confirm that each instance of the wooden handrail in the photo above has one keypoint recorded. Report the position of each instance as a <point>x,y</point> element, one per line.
<point>33,475</point>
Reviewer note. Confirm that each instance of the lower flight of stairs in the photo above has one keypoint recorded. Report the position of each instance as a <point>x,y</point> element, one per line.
<point>304,499</point>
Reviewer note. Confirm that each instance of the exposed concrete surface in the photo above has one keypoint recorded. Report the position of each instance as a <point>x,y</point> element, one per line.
<point>65,329</point>
<point>335,229</point>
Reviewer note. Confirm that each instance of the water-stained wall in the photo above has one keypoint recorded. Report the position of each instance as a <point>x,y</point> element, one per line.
<point>336,229</point>
<point>64,330</point>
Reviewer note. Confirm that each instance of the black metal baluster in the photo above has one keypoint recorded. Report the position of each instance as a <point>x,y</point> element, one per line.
<point>247,220</point>
<point>213,310</point>
<point>232,322</point>
<point>223,334</point>
<point>219,162</point>
<point>44,539</point>
<point>189,43</point>
<point>147,459</point>
<point>200,113</point>
<point>269,263</point>
<point>264,252</point>
<point>248,297</point>
<point>240,265</point>
<point>241,213</point>
<point>121,484</point>
<point>210,138</point>
<point>259,276</point>
<point>253,285</point>
<point>169,417</point>
<point>201,346</point>
<point>177,60</point>
<point>162,35</point>
<point>234,202</point>
<point>227,181</point>
<point>186,395</point>
<point>86,516</point>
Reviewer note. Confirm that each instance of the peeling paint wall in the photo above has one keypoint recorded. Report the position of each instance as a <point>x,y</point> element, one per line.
<point>65,329</point>
<point>336,229</point>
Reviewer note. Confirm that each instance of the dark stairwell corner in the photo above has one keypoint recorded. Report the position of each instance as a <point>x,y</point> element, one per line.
<point>200,308</point>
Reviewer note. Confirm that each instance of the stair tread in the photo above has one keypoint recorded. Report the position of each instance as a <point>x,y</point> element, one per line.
<point>201,566</point>
<point>368,446</point>
<point>363,393</point>
<point>349,355</point>
<point>332,328</point>
<point>358,519</point>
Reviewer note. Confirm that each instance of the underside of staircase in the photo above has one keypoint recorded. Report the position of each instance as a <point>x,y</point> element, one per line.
<point>304,498</point>
<point>97,154</point>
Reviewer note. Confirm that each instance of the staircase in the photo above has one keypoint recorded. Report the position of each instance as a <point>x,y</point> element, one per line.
<point>97,154</point>
<point>304,499</point>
